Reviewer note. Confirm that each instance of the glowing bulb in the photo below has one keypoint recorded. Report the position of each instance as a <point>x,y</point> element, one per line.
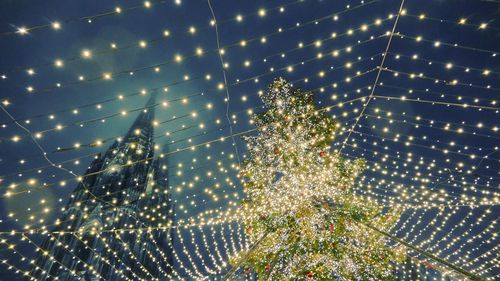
<point>56,25</point>
<point>86,54</point>
<point>262,13</point>
<point>22,30</point>
<point>59,63</point>
<point>107,76</point>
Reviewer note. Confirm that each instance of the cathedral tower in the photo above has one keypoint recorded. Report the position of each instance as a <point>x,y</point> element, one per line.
<point>117,224</point>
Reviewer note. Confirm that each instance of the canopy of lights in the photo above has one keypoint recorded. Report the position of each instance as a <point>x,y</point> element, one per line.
<point>411,86</point>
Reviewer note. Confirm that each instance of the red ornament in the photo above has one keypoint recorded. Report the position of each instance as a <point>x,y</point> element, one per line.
<point>263,216</point>
<point>322,153</point>
<point>332,227</point>
<point>310,275</point>
<point>276,150</point>
<point>268,267</point>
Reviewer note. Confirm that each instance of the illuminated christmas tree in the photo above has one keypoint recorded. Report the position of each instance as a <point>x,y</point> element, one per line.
<point>302,213</point>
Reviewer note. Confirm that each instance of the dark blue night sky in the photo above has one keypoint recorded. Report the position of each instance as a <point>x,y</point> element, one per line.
<point>429,130</point>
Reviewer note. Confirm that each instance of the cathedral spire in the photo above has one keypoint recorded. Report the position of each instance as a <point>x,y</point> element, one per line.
<point>118,191</point>
<point>142,128</point>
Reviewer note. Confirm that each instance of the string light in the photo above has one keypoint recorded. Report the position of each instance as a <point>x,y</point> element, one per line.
<point>407,165</point>
<point>22,30</point>
<point>59,63</point>
<point>56,25</point>
<point>87,54</point>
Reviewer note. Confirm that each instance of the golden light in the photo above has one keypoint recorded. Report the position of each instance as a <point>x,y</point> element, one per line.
<point>59,63</point>
<point>107,76</point>
<point>56,25</point>
<point>86,54</point>
<point>22,30</point>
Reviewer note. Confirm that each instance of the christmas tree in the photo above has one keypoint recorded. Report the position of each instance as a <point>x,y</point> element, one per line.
<point>301,213</point>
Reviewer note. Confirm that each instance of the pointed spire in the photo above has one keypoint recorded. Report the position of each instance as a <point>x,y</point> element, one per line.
<point>143,124</point>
